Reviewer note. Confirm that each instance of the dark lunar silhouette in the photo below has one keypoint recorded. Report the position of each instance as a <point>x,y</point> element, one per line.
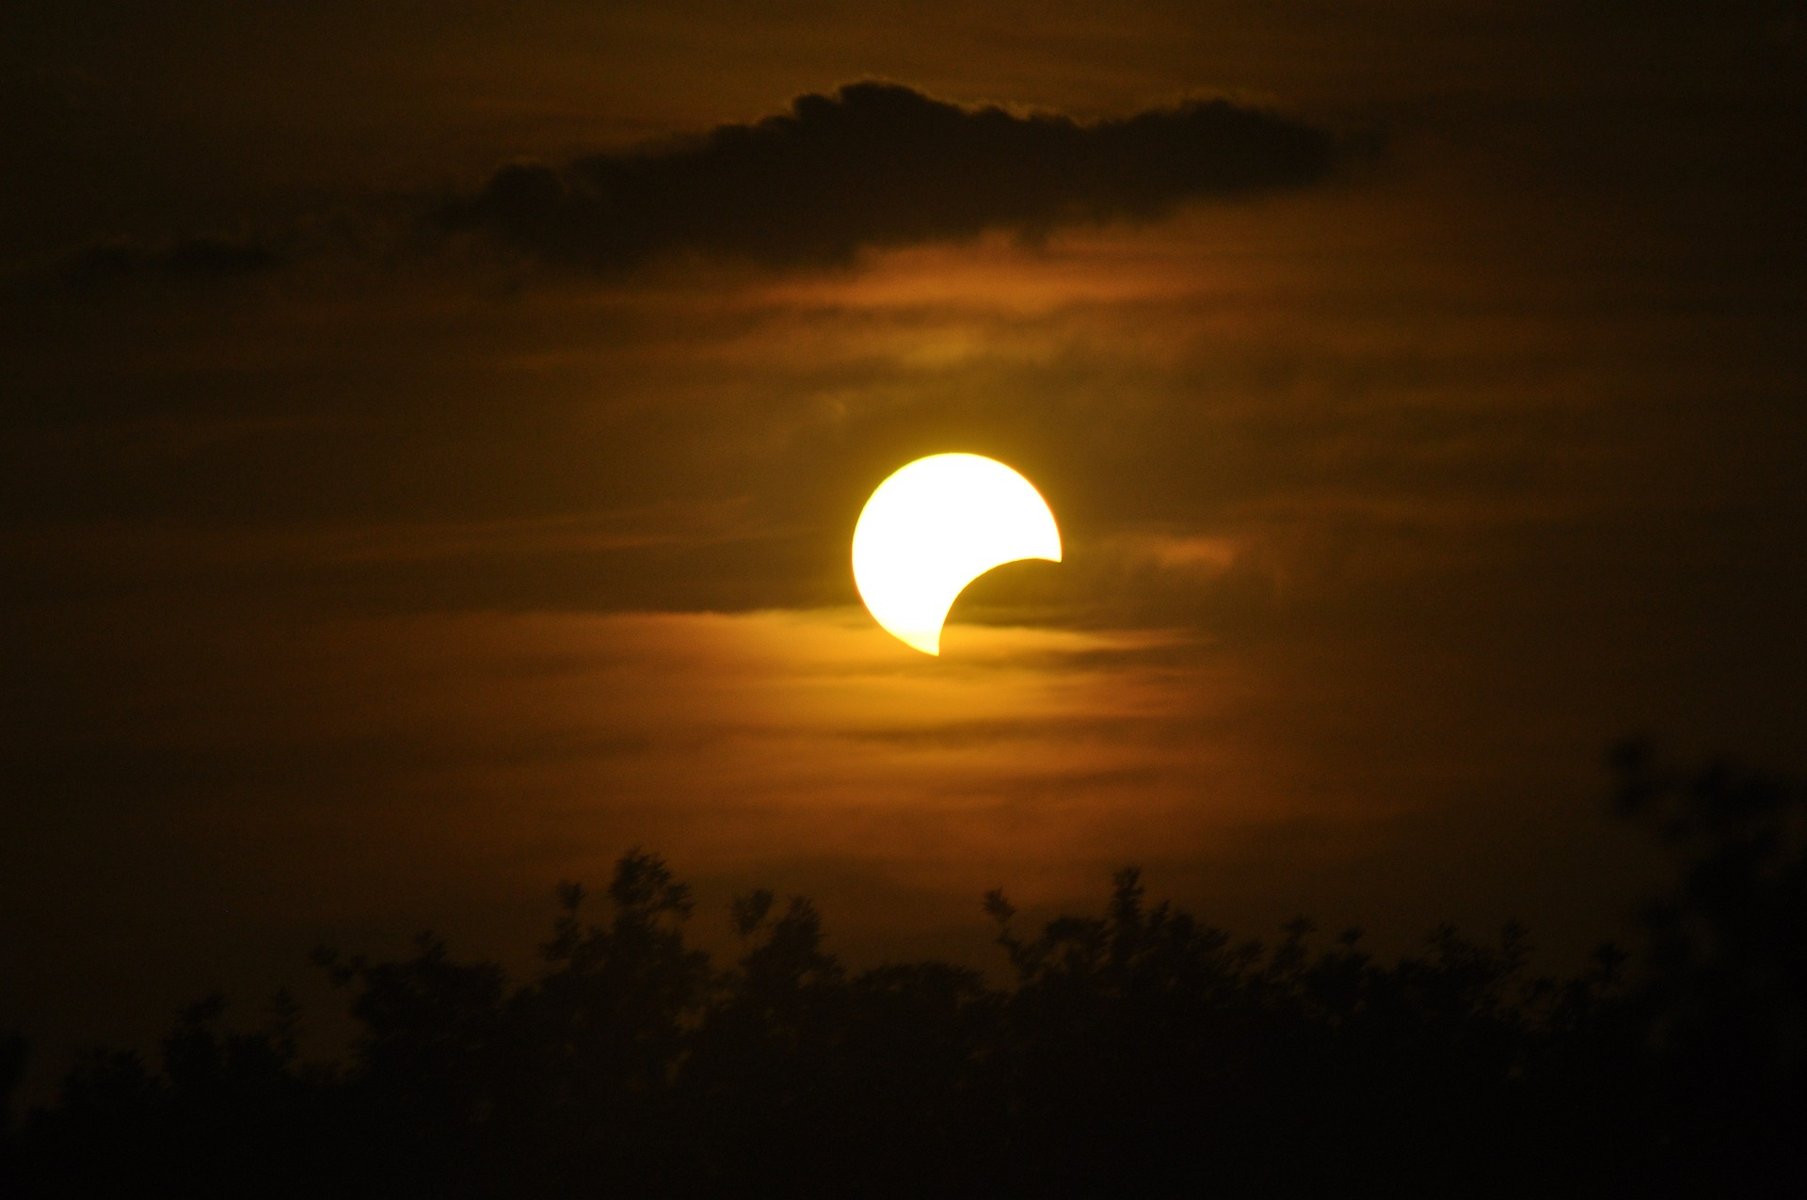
<point>1137,1053</point>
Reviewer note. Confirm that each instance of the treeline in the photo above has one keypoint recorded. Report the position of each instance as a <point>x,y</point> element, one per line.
<point>1137,1053</point>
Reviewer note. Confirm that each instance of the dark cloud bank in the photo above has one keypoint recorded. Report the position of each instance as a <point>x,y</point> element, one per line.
<point>203,257</point>
<point>873,165</point>
<point>880,164</point>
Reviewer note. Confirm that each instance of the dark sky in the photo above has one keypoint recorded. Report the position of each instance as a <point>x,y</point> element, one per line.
<point>430,437</point>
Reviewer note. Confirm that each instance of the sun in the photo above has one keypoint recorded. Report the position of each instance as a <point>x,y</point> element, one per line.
<point>933,527</point>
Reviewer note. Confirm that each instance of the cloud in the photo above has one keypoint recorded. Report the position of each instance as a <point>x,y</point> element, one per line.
<point>188,258</point>
<point>879,164</point>
<point>874,165</point>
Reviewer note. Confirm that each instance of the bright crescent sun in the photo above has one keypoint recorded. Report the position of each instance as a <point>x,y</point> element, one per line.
<point>936,525</point>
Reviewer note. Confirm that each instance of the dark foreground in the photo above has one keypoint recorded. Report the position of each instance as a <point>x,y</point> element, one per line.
<point>1137,1054</point>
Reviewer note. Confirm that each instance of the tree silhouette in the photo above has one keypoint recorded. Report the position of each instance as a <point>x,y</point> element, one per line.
<point>1136,1052</point>
<point>1725,998</point>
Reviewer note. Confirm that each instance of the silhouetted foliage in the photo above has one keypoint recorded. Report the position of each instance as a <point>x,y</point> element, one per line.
<point>1139,1052</point>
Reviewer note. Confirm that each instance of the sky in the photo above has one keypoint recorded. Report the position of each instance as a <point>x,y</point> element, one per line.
<point>431,438</point>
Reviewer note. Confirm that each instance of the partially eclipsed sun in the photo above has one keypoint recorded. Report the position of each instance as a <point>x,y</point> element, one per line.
<point>936,525</point>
